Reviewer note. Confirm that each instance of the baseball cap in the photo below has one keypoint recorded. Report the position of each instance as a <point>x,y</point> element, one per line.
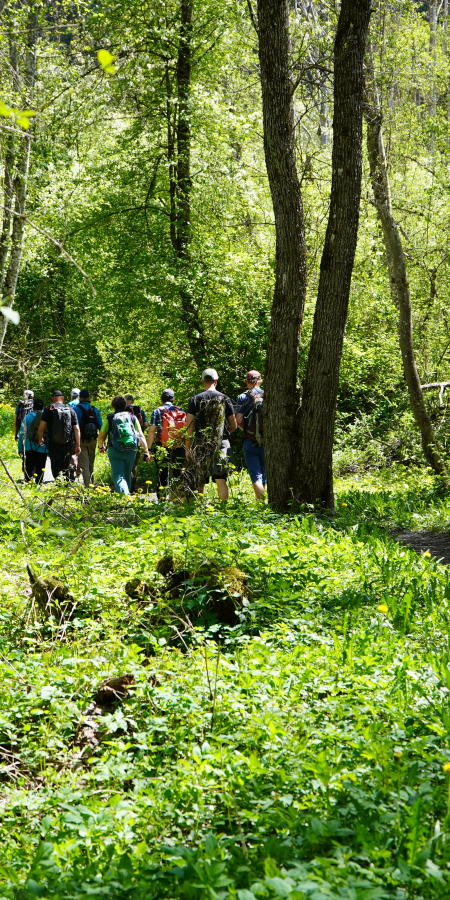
<point>167,394</point>
<point>28,394</point>
<point>57,394</point>
<point>252,375</point>
<point>84,394</point>
<point>75,392</point>
<point>210,375</point>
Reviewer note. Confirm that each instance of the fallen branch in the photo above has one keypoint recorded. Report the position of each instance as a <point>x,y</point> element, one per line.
<point>442,385</point>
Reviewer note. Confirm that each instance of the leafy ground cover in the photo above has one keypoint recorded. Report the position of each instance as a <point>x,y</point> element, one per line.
<point>301,751</point>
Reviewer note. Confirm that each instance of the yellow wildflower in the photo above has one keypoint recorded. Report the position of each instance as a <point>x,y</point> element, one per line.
<point>446,768</point>
<point>427,554</point>
<point>382,608</point>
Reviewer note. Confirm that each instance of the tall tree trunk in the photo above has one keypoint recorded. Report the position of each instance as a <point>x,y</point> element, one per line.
<point>314,473</point>
<point>20,183</point>
<point>281,394</point>
<point>397,268</point>
<point>179,154</point>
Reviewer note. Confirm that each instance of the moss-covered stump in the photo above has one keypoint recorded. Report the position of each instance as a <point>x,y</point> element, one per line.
<point>52,597</point>
<point>205,589</point>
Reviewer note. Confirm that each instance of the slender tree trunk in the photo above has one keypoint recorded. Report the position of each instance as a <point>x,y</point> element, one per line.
<point>314,474</point>
<point>397,268</point>
<point>20,183</point>
<point>181,186</point>
<point>7,202</point>
<point>281,394</point>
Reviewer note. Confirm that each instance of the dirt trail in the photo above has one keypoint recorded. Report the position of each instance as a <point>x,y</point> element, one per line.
<point>436,542</point>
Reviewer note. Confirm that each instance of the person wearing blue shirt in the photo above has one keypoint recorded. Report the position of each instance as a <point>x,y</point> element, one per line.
<point>90,422</point>
<point>253,452</point>
<point>169,460</point>
<point>74,397</point>
<point>34,456</point>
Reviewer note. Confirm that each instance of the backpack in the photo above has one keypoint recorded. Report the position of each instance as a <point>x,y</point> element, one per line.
<point>137,411</point>
<point>254,424</point>
<point>123,433</point>
<point>88,424</point>
<point>24,407</point>
<point>61,423</point>
<point>172,421</point>
<point>32,433</point>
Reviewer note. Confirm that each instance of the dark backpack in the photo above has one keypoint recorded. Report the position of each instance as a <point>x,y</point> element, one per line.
<point>137,411</point>
<point>254,420</point>
<point>32,433</point>
<point>61,423</point>
<point>123,433</point>
<point>24,407</point>
<point>88,424</point>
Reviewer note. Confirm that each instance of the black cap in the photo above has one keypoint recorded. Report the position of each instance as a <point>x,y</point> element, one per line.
<point>84,394</point>
<point>167,394</point>
<point>57,394</point>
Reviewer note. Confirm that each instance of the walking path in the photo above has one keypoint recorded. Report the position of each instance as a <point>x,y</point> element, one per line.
<point>436,542</point>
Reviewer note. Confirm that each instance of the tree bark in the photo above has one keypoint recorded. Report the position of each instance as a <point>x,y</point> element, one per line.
<point>180,183</point>
<point>314,473</point>
<point>281,393</point>
<point>20,183</point>
<point>398,276</point>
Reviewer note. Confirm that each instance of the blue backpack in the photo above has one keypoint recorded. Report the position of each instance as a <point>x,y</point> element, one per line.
<point>123,433</point>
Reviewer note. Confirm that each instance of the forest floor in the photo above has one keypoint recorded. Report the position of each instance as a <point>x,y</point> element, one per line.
<point>292,748</point>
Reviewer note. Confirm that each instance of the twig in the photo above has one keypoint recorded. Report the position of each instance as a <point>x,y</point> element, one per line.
<point>57,244</point>
<point>14,482</point>
<point>252,16</point>
<point>437,384</point>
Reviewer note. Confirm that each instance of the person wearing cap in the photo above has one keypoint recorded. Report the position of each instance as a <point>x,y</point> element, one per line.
<point>60,452</point>
<point>74,397</point>
<point>34,456</point>
<point>21,411</point>
<point>196,422</point>
<point>169,460</point>
<point>90,422</point>
<point>253,452</point>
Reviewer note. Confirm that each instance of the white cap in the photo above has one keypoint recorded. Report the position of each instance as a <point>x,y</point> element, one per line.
<point>75,392</point>
<point>210,375</point>
<point>28,394</point>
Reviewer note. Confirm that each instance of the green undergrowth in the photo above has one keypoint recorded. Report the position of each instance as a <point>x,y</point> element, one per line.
<point>296,752</point>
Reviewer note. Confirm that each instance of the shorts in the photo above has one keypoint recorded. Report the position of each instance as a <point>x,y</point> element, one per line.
<point>255,461</point>
<point>219,468</point>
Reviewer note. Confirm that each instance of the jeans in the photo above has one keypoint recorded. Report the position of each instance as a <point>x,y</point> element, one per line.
<point>34,463</point>
<point>86,460</point>
<point>255,461</point>
<point>121,466</point>
<point>60,458</point>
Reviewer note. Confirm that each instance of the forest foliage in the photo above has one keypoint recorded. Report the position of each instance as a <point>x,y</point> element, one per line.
<point>278,723</point>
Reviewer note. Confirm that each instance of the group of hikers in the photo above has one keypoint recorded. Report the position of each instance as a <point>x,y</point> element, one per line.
<point>69,434</point>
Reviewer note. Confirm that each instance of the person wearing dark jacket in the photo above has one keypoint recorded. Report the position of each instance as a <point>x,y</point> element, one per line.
<point>63,432</point>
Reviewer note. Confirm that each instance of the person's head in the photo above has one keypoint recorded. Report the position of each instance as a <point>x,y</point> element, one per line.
<point>130,399</point>
<point>57,397</point>
<point>253,378</point>
<point>38,404</point>
<point>84,396</point>
<point>209,378</point>
<point>74,394</point>
<point>119,404</point>
<point>28,395</point>
<point>167,396</point>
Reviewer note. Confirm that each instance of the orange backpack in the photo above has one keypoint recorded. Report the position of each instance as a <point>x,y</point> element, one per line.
<point>173,420</point>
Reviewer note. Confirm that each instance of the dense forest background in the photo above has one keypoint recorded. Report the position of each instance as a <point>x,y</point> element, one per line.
<point>106,180</point>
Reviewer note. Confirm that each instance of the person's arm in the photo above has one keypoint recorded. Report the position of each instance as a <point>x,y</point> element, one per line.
<point>231,423</point>
<point>16,435</point>
<point>99,419</point>
<point>189,429</point>
<point>102,436</point>
<point>151,434</point>
<point>41,430</point>
<point>76,431</point>
<point>20,445</point>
